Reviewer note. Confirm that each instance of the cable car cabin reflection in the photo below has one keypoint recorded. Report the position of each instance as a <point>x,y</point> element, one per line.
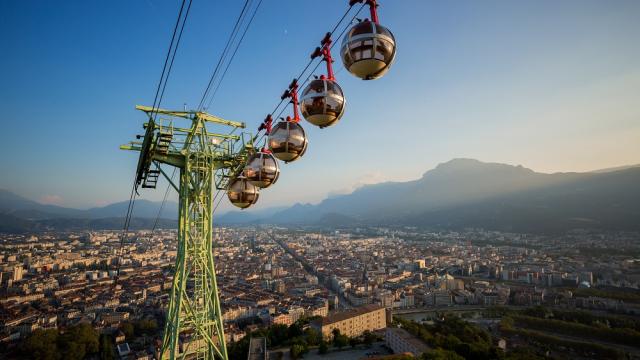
<point>322,102</point>
<point>262,169</point>
<point>242,193</point>
<point>288,141</point>
<point>368,50</point>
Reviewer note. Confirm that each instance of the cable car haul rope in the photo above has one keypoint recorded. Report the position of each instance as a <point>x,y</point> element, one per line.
<point>236,163</point>
<point>368,51</point>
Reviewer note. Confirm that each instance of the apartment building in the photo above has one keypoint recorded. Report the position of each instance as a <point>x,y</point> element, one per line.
<point>401,342</point>
<point>353,322</point>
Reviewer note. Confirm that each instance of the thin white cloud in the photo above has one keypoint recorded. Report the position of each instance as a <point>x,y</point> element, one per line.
<point>52,200</point>
<point>366,179</point>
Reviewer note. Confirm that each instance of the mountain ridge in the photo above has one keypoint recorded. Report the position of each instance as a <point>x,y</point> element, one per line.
<point>464,192</point>
<point>458,193</point>
<point>22,207</point>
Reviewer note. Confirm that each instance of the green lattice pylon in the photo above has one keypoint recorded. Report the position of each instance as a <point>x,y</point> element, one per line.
<point>206,161</point>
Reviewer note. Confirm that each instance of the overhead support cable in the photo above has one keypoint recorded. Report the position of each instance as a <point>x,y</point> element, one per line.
<point>258,137</point>
<point>171,55</point>
<point>304,70</point>
<point>159,94</point>
<point>230,40</point>
<point>255,11</point>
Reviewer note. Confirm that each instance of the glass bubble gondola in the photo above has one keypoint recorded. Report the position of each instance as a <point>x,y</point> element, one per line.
<point>287,141</point>
<point>322,102</point>
<point>368,50</point>
<point>242,193</point>
<point>262,169</point>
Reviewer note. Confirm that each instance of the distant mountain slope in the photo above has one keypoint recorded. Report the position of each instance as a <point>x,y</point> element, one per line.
<point>12,224</point>
<point>141,208</point>
<point>456,194</point>
<point>606,201</point>
<point>243,217</point>
<point>23,208</point>
<point>459,181</point>
<point>617,168</point>
<point>470,193</point>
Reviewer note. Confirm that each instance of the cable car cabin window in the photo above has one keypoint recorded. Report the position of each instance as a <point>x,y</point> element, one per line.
<point>278,143</point>
<point>334,107</point>
<point>384,51</point>
<point>250,172</point>
<point>250,197</point>
<point>346,57</point>
<point>362,28</point>
<point>313,105</point>
<point>330,86</point>
<point>296,139</point>
<point>269,167</point>
<point>316,87</point>
<point>383,31</point>
<point>361,50</point>
<point>278,134</point>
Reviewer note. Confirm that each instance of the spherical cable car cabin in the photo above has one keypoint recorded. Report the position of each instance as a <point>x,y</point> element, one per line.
<point>368,49</point>
<point>322,102</point>
<point>262,169</point>
<point>287,139</point>
<point>242,193</point>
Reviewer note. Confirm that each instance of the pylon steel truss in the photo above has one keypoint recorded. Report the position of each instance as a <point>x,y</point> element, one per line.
<point>206,160</point>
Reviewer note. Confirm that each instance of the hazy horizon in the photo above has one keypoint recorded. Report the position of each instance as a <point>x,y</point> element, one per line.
<point>335,193</point>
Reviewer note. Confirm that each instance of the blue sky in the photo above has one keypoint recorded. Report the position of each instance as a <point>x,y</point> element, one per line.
<point>552,85</point>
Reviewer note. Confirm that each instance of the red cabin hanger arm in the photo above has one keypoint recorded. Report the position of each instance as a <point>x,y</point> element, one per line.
<point>292,93</point>
<point>266,125</point>
<point>373,5</point>
<point>325,51</point>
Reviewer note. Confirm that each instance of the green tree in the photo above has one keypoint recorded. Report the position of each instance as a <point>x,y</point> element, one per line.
<point>239,349</point>
<point>106,348</point>
<point>354,342</point>
<point>73,351</point>
<point>340,341</point>
<point>295,329</point>
<point>323,348</point>
<point>297,350</point>
<point>368,337</point>
<point>521,353</point>
<point>87,335</point>
<point>278,334</point>
<point>146,327</point>
<point>42,345</point>
<point>128,330</point>
<point>441,354</point>
<point>313,336</point>
<point>79,341</point>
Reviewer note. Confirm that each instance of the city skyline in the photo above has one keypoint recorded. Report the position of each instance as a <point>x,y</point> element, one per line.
<point>547,85</point>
